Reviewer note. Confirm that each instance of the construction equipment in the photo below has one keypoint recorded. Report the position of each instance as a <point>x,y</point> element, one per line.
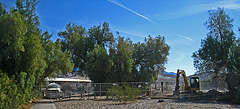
<point>192,87</point>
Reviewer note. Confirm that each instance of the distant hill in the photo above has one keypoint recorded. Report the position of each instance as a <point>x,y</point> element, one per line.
<point>166,77</point>
<point>170,73</point>
<point>171,77</point>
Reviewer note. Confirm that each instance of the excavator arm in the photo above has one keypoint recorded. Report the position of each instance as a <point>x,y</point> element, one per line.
<point>181,72</point>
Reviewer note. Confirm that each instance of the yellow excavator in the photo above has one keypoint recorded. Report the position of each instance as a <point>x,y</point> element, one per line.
<point>192,87</point>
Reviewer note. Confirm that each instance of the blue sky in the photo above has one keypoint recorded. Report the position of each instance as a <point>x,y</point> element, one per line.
<point>179,21</point>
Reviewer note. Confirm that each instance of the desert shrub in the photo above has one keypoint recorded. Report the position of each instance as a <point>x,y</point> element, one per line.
<point>123,93</point>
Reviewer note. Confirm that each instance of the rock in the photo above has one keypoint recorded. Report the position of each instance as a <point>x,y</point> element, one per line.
<point>160,100</point>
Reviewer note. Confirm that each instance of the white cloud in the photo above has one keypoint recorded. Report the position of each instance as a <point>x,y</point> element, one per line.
<point>185,37</point>
<point>199,8</point>
<point>227,4</point>
<point>119,4</point>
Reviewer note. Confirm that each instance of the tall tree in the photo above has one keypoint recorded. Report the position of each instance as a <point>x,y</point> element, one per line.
<point>81,42</point>
<point>124,58</point>
<point>115,67</point>
<point>123,61</point>
<point>58,61</point>
<point>12,36</point>
<point>33,62</point>
<point>214,54</point>
<point>2,9</point>
<point>25,53</point>
<point>23,57</point>
<point>101,35</point>
<point>149,58</point>
<point>99,65</point>
<point>74,40</point>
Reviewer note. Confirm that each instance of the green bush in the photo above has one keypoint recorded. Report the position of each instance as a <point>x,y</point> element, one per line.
<point>123,93</point>
<point>13,94</point>
<point>10,97</point>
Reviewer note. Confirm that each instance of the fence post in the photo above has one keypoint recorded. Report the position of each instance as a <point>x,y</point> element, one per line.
<point>94,93</point>
<point>88,90</point>
<point>162,86</point>
<point>166,86</point>
<point>100,90</point>
<point>40,92</point>
<point>155,86</point>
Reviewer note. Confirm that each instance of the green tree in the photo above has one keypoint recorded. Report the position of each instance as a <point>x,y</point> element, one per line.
<point>12,36</point>
<point>74,39</point>
<point>214,54</point>
<point>10,98</point>
<point>123,61</point>
<point>149,58</point>
<point>27,8</point>
<point>2,10</point>
<point>32,61</point>
<point>101,35</point>
<point>99,65</point>
<point>13,49</point>
<point>234,57</point>
<point>233,77</point>
<point>58,61</point>
<point>25,53</point>
<point>81,42</point>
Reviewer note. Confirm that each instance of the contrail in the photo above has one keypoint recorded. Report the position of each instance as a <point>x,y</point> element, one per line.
<point>185,37</point>
<point>119,4</point>
<point>132,34</point>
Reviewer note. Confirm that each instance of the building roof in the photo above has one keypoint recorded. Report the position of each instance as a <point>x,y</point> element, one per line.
<point>67,80</point>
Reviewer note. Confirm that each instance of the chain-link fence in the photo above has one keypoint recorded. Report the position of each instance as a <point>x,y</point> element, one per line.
<point>100,90</point>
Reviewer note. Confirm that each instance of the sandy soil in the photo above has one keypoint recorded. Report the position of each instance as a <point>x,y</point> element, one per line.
<point>145,104</point>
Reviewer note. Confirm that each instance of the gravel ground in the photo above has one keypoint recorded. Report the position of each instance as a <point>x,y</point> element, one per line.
<point>144,104</point>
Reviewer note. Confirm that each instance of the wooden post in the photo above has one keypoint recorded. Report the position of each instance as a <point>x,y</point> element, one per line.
<point>162,86</point>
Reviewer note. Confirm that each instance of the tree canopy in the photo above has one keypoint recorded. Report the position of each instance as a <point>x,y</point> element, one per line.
<point>219,51</point>
<point>150,58</point>
<point>107,59</point>
<point>27,54</point>
<point>213,56</point>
